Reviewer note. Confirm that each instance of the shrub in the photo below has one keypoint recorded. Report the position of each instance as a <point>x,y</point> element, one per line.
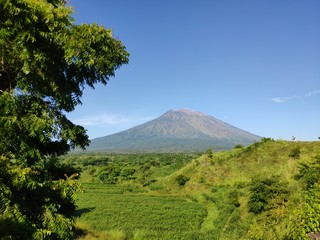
<point>295,153</point>
<point>309,172</point>
<point>308,217</point>
<point>127,173</point>
<point>182,180</point>
<point>109,175</point>
<point>209,152</point>
<point>263,190</point>
<point>238,146</point>
<point>103,176</point>
<point>233,198</point>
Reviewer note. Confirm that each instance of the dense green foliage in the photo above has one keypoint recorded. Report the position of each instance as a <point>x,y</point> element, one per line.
<point>182,180</point>
<point>264,190</point>
<point>141,168</point>
<point>255,192</point>
<point>309,173</point>
<point>36,203</point>
<point>45,63</point>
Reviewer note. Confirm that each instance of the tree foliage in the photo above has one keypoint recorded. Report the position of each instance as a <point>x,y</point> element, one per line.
<point>35,206</point>
<point>46,60</point>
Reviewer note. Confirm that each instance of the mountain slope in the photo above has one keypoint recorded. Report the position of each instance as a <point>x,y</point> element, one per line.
<point>255,192</point>
<point>176,130</point>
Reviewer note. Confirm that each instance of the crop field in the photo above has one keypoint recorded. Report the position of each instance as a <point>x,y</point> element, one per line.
<point>139,216</point>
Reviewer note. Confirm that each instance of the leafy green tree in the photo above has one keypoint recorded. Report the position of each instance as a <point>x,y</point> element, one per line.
<point>46,61</point>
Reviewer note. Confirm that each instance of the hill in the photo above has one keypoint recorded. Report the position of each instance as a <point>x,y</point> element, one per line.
<point>268,190</point>
<point>175,131</point>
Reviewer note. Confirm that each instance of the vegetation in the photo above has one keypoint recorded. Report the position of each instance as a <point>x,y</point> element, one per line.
<point>264,190</point>
<point>138,215</point>
<point>140,168</point>
<point>254,192</point>
<point>268,190</point>
<point>182,180</point>
<point>45,63</point>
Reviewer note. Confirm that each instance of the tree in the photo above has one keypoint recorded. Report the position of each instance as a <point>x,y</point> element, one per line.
<point>46,61</point>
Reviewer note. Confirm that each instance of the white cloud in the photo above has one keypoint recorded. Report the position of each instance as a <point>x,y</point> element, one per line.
<point>110,119</point>
<point>103,119</point>
<point>284,99</point>
<point>309,94</point>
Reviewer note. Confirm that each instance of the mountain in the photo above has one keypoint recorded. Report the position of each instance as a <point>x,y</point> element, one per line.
<point>175,131</point>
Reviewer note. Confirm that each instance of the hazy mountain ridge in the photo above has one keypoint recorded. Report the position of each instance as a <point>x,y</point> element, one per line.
<point>176,130</point>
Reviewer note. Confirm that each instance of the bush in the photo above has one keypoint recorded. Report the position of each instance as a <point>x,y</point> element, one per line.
<point>233,198</point>
<point>95,162</point>
<point>263,190</point>
<point>308,218</point>
<point>238,146</point>
<point>209,152</point>
<point>295,153</point>
<point>309,172</point>
<point>182,180</point>
<point>109,175</point>
<point>127,173</point>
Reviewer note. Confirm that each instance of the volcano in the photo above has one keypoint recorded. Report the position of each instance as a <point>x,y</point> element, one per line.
<point>175,131</point>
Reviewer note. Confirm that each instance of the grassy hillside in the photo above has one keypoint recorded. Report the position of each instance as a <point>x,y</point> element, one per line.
<point>268,190</point>
<point>240,165</point>
<point>256,192</point>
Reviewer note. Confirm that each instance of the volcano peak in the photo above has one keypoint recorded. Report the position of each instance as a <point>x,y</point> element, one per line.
<point>176,130</point>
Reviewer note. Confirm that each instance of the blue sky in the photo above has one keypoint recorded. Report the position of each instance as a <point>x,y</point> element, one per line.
<point>253,64</point>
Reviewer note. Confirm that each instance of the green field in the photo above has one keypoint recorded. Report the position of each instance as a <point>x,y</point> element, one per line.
<point>269,190</point>
<point>108,207</point>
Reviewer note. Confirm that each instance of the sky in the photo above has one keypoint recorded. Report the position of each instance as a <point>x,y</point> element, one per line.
<point>253,64</point>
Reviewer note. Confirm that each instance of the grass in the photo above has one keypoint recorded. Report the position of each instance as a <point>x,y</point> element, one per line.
<point>85,231</point>
<point>139,216</point>
<point>212,204</point>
